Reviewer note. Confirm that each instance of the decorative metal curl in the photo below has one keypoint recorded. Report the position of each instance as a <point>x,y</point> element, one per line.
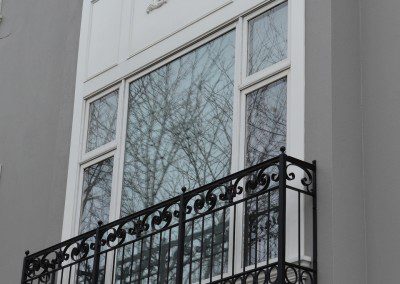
<point>291,276</point>
<point>306,181</point>
<point>306,275</point>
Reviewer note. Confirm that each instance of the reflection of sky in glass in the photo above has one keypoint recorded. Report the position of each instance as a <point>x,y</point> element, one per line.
<point>179,125</point>
<point>96,194</point>
<point>267,42</point>
<point>102,121</point>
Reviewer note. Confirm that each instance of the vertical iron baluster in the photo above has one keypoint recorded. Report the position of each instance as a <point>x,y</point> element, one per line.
<point>23,277</point>
<point>181,237</point>
<point>105,264</point>
<point>149,260</point>
<point>69,275</point>
<point>223,243</point>
<point>86,276</point>
<point>122,264</point>
<point>159,257</point>
<point>169,254</point>
<point>140,260</point>
<point>247,234</point>
<point>113,267</point>
<point>201,247</point>
<point>191,254</point>
<point>315,243</point>
<point>282,217</point>
<point>234,239</point>
<point>256,238</point>
<point>268,224</point>
<point>96,257</point>
<point>212,246</point>
<point>298,231</point>
<point>132,258</point>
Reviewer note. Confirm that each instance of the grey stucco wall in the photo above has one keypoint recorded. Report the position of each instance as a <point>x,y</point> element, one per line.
<point>334,136</point>
<point>37,80</point>
<point>353,130</point>
<point>380,46</point>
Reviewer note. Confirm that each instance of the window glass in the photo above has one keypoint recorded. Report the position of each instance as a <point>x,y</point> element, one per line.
<point>266,133</point>
<point>96,194</point>
<point>267,39</point>
<point>102,121</point>
<point>266,122</point>
<point>179,130</point>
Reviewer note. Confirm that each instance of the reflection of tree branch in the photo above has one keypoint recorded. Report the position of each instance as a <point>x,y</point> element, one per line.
<point>179,125</point>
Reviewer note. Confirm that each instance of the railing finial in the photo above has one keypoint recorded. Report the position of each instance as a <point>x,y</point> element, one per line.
<point>184,189</point>
<point>283,149</point>
<point>99,223</point>
<point>27,252</point>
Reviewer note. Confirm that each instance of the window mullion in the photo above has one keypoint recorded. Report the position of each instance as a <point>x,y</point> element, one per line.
<point>119,153</point>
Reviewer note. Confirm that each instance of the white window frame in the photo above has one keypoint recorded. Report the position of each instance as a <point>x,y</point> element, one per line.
<point>292,67</point>
<point>86,156</point>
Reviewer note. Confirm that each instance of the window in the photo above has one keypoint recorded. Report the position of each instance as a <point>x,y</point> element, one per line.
<point>265,122</point>
<point>227,101</point>
<point>267,38</point>
<point>102,121</point>
<point>179,127</point>
<point>96,194</point>
<point>266,126</point>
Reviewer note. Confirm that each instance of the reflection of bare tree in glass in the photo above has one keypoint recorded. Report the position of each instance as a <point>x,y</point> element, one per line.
<point>179,126</point>
<point>266,133</point>
<point>267,42</point>
<point>102,121</point>
<point>96,196</point>
<point>179,134</point>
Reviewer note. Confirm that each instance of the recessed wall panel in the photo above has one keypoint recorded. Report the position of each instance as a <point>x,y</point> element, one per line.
<point>150,27</point>
<point>105,26</point>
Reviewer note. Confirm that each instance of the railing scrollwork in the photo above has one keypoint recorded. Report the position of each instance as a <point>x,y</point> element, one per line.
<point>194,236</point>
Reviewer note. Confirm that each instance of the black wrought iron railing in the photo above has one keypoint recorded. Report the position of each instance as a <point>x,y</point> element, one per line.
<point>255,226</point>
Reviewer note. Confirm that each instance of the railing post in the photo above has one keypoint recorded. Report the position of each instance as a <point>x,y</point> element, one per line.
<point>23,278</point>
<point>96,256</point>
<point>181,238</point>
<point>282,218</point>
<point>315,240</point>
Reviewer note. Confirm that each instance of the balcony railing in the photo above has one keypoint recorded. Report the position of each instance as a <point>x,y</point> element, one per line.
<point>255,226</point>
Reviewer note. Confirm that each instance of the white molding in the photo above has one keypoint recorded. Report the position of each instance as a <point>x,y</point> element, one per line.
<point>88,76</point>
<point>133,64</point>
<point>182,28</point>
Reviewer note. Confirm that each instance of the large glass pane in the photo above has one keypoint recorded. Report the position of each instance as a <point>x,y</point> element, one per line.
<point>96,194</point>
<point>266,133</point>
<point>179,130</point>
<point>266,122</point>
<point>102,121</point>
<point>267,38</point>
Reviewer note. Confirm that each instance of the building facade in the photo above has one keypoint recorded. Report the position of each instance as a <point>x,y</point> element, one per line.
<point>172,94</point>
